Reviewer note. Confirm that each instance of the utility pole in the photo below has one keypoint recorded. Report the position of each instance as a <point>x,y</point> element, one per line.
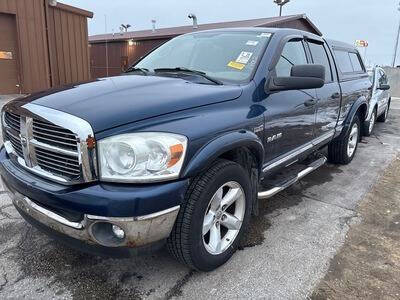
<point>281,3</point>
<point>397,43</point>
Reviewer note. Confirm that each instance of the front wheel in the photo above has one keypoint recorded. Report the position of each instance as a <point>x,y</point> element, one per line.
<point>213,217</point>
<point>342,150</point>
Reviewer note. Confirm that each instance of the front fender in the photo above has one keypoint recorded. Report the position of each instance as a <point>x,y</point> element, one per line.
<point>360,105</point>
<point>204,158</point>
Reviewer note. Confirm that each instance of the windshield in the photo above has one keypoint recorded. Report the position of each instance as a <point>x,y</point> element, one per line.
<point>230,56</point>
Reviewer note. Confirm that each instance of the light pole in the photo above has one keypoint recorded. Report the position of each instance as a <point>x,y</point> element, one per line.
<point>125,27</point>
<point>397,43</point>
<point>281,3</point>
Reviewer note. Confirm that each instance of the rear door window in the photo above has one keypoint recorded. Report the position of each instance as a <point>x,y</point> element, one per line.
<point>320,57</point>
<point>293,54</point>
<point>344,62</point>
<point>355,61</point>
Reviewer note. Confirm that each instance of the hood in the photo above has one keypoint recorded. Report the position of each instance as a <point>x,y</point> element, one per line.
<point>109,102</point>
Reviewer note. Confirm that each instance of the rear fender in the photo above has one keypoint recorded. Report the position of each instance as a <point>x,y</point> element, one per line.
<point>361,105</point>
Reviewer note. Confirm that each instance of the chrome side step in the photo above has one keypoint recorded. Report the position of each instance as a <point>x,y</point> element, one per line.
<point>275,190</point>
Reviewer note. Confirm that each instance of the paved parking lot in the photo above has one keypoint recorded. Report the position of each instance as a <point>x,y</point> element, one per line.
<point>287,252</point>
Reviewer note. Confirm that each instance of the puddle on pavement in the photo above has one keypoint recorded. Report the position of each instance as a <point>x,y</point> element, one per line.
<point>260,224</point>
<point>325,174</point>
<point>284,200</point>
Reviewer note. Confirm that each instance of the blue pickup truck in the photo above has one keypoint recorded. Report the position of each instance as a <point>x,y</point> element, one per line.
<point>182,147</point>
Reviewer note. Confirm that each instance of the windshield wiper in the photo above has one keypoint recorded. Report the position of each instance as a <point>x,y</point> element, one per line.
<point>134,69</point>
<point>186,70</point>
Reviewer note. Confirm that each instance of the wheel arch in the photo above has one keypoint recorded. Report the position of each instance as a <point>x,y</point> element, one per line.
<point>237,146</point>
<point>360,108</point>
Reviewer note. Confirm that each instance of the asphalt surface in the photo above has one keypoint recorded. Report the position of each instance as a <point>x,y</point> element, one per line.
<point>287,253</point>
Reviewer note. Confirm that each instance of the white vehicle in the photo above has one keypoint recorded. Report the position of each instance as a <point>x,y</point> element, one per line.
<point>380,100</point>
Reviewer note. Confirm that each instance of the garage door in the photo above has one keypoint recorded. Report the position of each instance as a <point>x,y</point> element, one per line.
<point>9,75</point>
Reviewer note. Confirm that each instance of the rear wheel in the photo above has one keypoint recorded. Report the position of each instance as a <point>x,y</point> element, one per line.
<point>342,151</point>
<point>213,217</point>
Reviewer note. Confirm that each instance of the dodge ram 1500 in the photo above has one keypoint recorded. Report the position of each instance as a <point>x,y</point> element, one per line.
<point>181,147</point>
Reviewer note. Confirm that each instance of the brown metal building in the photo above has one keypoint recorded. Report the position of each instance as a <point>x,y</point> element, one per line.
<point>123,49</point>
<point>41,45</point>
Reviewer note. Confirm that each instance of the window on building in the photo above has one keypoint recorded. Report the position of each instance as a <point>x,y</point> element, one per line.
<point>293,54</point>
<point>320,57</point>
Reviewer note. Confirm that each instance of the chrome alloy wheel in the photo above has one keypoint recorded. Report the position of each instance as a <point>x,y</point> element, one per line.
<point>353,140</point>
<point>372,122</point>
<point>223,218</point>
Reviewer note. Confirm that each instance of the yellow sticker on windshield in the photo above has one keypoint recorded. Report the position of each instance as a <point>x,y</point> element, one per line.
<point>236,65</point>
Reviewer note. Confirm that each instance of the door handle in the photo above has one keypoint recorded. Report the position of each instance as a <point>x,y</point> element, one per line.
<point>310,102</point>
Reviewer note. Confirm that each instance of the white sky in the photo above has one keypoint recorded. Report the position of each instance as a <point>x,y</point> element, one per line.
<point>347,20</point>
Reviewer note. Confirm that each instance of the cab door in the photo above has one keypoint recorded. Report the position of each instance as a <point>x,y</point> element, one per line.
<point>329,96</point>
<point>290,115</point>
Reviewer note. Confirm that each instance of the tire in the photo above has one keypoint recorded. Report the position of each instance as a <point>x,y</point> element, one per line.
<point>187,243</point>
<point>369,125</point>
<point>338,150</point>
<point>383,117</point>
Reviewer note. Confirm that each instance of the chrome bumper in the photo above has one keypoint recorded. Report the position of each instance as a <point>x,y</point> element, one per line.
<point>139,231</point>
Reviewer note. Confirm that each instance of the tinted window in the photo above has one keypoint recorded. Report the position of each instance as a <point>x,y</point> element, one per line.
<point>343,60</point>
<point>355,61</point>
<point>320,58</point>
<point>293,54</point>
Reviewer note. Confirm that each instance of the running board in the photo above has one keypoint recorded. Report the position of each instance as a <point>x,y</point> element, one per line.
<point>277,189</point>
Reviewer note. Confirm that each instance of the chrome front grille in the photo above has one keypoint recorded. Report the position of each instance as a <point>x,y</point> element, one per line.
<point>16,144</point>
<point>50,143</point>
<point>57,136</point>
<point>56,163</point>
<point>13,121</point>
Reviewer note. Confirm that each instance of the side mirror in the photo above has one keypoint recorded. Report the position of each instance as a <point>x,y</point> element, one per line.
<point>384,87</point>
<point>302,77</point>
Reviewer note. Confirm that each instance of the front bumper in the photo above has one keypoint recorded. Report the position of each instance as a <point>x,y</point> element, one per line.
<point>138,231</point>
<point>145,214</point>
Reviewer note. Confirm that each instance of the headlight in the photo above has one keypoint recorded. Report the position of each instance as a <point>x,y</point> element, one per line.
<point>142,157</point>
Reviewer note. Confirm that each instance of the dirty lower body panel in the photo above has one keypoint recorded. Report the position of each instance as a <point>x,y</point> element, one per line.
<point>130,232</point>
